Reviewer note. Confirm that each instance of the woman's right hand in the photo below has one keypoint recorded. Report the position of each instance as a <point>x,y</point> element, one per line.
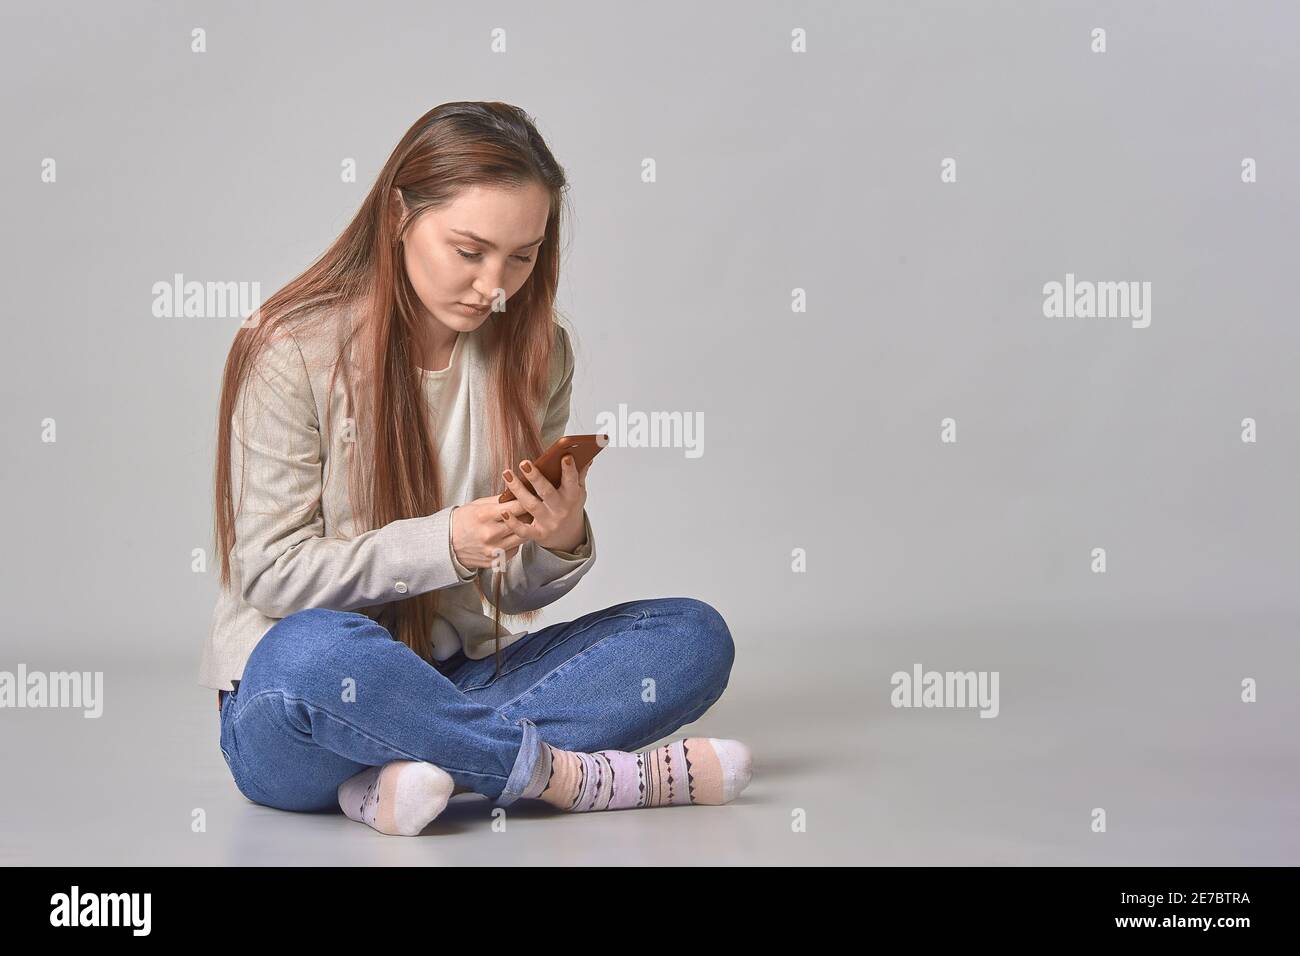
<point>477,531</point>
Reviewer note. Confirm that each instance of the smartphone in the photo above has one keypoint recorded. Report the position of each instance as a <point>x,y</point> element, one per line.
<point>583,448</point>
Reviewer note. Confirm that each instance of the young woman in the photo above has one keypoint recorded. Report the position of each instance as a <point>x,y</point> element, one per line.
<point>409,367</point>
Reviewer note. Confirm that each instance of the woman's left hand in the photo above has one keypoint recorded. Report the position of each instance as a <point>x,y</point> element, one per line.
<point>557,512</point>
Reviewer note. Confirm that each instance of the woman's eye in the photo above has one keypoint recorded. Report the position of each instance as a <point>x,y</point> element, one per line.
<point>475,256</point>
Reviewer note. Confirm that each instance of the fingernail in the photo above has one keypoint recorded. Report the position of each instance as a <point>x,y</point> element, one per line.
<point>509,477</point>
<point>527,468</point>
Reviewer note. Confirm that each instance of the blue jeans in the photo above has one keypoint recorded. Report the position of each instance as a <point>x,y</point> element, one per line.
<point>326,694</point>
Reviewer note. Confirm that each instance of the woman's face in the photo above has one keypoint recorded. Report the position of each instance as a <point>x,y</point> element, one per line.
<point>476,251</point>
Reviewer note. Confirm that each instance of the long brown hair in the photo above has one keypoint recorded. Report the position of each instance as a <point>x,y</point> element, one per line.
<point>452,147</point>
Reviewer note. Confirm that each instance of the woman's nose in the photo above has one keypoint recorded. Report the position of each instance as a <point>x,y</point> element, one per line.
<point>490,296</point>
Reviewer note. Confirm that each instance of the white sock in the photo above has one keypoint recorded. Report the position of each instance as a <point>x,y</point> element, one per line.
<point>400,798</point>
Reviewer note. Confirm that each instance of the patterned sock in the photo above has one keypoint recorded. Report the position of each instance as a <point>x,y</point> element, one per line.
<point>400,798</point>
<point>700,770</point>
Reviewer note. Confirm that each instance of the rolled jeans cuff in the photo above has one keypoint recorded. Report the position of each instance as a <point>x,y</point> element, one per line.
<point>532,769</point>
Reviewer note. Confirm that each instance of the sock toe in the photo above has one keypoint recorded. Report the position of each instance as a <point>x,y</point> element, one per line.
<point>737,766</point>
<point>399,798</point>
<point>420,793</point>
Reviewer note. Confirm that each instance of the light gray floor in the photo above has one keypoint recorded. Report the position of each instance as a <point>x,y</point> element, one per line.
<point>1142,718</point>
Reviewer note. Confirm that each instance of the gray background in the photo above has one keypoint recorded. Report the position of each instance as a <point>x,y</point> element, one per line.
<point>775,171</point>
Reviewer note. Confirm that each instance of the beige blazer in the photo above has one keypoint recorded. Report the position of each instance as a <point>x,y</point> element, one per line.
<point>296,545</point>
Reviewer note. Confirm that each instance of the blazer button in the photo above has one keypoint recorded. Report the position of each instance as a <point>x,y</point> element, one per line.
<point>400,587</point>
